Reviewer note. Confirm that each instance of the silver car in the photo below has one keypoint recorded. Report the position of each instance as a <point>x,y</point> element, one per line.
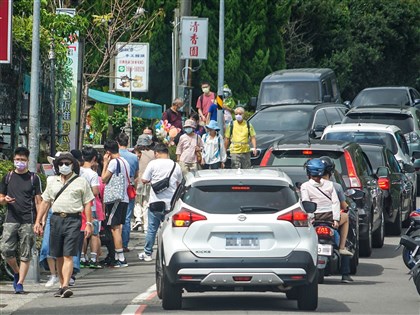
<point>237,230</point>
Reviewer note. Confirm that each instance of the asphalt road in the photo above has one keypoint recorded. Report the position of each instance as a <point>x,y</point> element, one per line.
<point>381,287</point>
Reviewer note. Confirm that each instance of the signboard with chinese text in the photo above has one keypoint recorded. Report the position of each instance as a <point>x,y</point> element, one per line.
<point>132,61</point>
<point>194,37</point>
<point>68,108</point>
<point>6,31</point>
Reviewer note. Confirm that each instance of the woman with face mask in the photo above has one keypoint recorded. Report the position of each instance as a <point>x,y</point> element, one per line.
<point>214,153</point>
<point>188,150</point>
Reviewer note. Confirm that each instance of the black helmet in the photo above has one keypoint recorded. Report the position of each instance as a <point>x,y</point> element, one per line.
<point>329,164</point>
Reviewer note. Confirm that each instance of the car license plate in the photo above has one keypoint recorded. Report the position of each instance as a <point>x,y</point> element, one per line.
<point>242,242</point>
<point>324,250</point>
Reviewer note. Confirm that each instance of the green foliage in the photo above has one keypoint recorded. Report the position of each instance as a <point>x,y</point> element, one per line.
<point>119,118</point>
<point>99,123</point>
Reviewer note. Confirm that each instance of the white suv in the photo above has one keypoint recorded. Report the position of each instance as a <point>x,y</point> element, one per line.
<point>237,230</point>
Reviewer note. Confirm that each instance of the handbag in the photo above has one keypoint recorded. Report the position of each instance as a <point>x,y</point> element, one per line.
<point>115,189</point>
<point>162,184</point>
<point>158,206</point>
<point>131,190</point>
<point>198,154</point>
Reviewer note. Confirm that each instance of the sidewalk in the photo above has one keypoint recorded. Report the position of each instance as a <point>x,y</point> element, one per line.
<point>10,302</point>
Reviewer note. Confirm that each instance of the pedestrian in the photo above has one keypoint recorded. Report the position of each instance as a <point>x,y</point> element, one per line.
<point>188,150</point>
<point>146,154</point>
<point>214,152</point>
<point>159,169</point>
<point>20,190</point>
<point>238,134</point>
<point>116,212</point>
<point>133,161</point>
<point>199,125</point>
<point>68,195</point>
<point>204,101</point>
<point>173,114</point>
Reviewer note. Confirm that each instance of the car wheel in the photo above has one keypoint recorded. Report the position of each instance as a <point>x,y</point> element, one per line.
<point>292,294</point>
<point>321,276</point>
<point>396,227</point>
<point>171,294</point>
<point>307,296</point>
<point>365,245</point>
<point>354,262</point>
<point>379,234</point>
<point>159,274</point>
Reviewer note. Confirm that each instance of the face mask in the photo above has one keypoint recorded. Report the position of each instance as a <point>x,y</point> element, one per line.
<point>206,90</point>
<point>239,117</point>
<point>188,130</point>
<point>20,165</point>
<point>65,170</point>
<point>149,137</point>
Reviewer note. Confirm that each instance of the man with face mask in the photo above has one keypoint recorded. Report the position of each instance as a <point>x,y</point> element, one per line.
<point>204,101</point>
<point>173,114</point>
<point>20,190</point>
<point>238,134</point>
<point>189,144</point>
<point>68,195</point>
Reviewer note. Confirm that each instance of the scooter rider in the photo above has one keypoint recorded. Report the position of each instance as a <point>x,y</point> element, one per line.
<point>344,217</point>
<point>323,193</point>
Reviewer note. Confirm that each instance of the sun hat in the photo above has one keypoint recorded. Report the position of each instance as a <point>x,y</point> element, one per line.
<point>189,123</point>
<point>144,140</point>
<point>213,125</point>
<point>52,158</point>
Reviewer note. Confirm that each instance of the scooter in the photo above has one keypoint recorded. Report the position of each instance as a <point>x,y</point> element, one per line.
<point>413,231</point>
<point>413,246</point>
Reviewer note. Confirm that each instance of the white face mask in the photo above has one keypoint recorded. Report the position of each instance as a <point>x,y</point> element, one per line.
<point>206,90</point>
<point>239,117</point>
<point>65,170</point>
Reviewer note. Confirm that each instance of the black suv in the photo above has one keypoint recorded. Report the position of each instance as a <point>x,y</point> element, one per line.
<point>283,122</point>
<point>355,168</point>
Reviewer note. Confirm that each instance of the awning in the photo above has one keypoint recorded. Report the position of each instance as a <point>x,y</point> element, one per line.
<point>140,108</point>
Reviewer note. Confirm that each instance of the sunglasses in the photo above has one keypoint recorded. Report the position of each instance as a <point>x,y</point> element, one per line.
<point>64,163</point>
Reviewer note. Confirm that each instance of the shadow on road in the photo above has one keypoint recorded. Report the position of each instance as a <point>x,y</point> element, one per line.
<point>387,251</point>
<point>366,269</point>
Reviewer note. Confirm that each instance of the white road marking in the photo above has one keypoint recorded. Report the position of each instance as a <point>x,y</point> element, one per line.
<point>136,307</point>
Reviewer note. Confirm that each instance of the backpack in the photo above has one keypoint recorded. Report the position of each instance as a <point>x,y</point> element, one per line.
<point>9,176</point>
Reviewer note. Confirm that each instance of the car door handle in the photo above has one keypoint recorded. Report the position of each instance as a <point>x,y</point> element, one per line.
<point>397,182</point>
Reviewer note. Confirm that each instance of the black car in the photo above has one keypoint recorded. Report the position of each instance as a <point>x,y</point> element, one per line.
<point>395,185</point>
<point>387,95</point>
<point>282,122</point>
<point>357,173</point>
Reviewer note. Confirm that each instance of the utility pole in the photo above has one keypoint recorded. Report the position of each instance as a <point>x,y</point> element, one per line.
<point>221,63</point>
<point>34,99</point>
<point>51,56</point>
<point>185,10</point>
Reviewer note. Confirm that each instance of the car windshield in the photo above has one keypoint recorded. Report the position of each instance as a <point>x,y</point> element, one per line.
<point>381,97</point>
<point>384,139</point>
<point>402,121</point>
<point>282,119</point>
<point>291,92</point>
<point>375,157</point>
<point>229,199</point>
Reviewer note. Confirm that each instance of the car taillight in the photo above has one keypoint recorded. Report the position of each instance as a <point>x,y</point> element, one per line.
<point>383,183</point>
<point>266,157</point>
<point>324,231</point>
<point>415,214</point>
<point>297,217</point>
<point>185,217</point>
<point>354,180</point>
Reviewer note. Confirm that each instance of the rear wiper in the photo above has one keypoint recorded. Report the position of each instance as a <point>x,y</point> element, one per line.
<point>257,209</point>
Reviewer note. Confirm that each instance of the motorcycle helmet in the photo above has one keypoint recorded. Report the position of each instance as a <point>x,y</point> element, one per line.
<point>329,164</point>
<point>315,167</point>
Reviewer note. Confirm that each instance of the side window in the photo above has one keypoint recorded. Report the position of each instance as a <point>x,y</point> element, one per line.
<point>402,142</point>
<point>334,89</point>
<point>320,118</point>
<point>393,163</point>
<point>333,115</point>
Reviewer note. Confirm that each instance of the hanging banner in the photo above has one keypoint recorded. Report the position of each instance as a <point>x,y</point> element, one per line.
<point>69,110</point>
<point>132,62</point>
<point>194,37</point>
<point>6,31</point>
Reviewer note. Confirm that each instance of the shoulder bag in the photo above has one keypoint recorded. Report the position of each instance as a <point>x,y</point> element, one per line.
<point>131,190</point>
<point>198,154</point>
<point>64,187</point>
<point>115,189</point>
<point>162,184</point>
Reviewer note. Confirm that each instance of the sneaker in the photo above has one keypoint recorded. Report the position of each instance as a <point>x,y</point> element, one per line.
<point>52,281</point>
<point>66,292</point>
<point>106,262</point>
<point>345,252</point>
<point>145,257</point>
<point>136,226</point>
<point>19,288</point>
<point>84,264</point>
<point>126,250</point>
<point>58,293</point>
<point>15,280</point>
<point>346,279</point>
<point>119,264</point>
<point>72,281</point>
<point>95,265</point>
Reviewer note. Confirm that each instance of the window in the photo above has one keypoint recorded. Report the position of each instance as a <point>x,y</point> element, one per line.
<point>282,119</point>
<point>402,143</point>
<point>334,116</point>
<point>320,118</point>
<point>375,156</point>
<point>393,163</point>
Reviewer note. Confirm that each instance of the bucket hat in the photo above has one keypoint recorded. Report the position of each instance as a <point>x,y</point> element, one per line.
<point>189,123</point>
<point>213,125</point>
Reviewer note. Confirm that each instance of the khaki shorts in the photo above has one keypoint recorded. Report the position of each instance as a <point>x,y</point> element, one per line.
<point>14,233</point>
<point>240,160</point>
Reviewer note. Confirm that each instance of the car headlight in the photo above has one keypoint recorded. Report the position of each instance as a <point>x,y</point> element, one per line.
<point>411,137</point>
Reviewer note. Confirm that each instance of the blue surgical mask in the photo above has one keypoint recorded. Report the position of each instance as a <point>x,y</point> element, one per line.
<point>188,130</point>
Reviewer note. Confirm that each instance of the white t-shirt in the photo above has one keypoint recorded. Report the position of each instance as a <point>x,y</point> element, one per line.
<point>92,178</point>
<point>112,167</point>
<point>159,169</point>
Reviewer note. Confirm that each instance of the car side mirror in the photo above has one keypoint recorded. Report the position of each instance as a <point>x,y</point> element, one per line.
<point>408,168</point>
<point>309,206</point>
<point>347,104</point>
<point>355,194</point>
<point>382,171</point>
<point>253,102</point>
<point>312,134</point>
<point>319,128</point>
<point>327,98</point>
<point>416,155</point>
<point>417,101</point>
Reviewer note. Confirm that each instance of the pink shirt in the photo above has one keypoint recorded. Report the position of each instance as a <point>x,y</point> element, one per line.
<point>186,147</point>
<point>207,101</point>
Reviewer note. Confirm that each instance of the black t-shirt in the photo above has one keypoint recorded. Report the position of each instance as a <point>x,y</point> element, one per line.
<point>23,210</point>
